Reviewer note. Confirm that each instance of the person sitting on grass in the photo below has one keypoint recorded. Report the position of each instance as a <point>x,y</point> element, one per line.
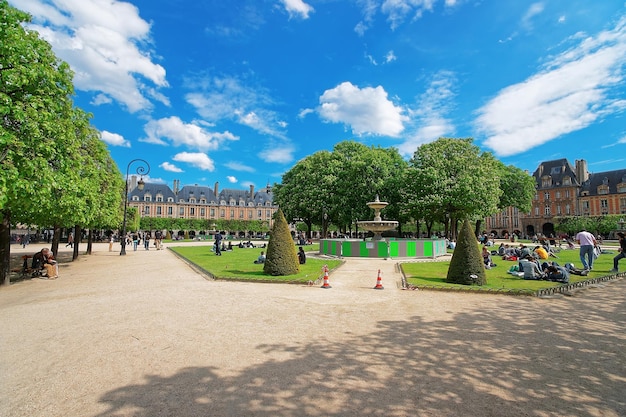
<point>557,273</point>
<point>260,259</point>
<point>531,268</point>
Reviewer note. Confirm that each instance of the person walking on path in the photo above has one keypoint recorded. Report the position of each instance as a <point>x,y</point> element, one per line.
<point>622,251</point>
<point>146,240</point>
<point>587,243</point>
<point>70,240</point>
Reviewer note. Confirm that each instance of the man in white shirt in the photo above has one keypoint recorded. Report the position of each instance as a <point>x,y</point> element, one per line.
<point>587,242</point>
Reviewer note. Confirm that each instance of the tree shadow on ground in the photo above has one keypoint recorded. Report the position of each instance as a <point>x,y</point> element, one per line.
<point>523,358</point>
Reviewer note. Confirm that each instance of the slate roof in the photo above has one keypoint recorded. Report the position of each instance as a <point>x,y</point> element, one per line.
<point>202,192</point>
<point>557,169</point>
<point>612,179</point>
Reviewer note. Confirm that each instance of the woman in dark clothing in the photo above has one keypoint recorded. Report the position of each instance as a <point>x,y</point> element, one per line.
<point>301,256</point>
<point>622,251</point>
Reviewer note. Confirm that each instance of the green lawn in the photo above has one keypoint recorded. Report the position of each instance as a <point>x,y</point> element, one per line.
<point>433,274</point>
<point>239,264</point>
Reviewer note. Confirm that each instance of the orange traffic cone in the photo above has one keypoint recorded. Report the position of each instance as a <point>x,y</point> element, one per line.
<point>326,284</point>
<point>379,282</point>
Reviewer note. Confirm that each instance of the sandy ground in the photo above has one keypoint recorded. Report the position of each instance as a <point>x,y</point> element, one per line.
<point>145,335</point>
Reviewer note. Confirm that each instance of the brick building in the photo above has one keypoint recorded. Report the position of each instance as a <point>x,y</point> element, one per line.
<point>201,202</point>
<point>563,189</point>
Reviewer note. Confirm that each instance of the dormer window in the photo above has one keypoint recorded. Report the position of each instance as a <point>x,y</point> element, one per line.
<point>567,181</point>
<point>546,181</point>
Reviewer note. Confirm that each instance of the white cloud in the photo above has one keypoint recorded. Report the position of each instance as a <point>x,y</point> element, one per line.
<point>198,160</point>
<point>231,98</point>
<point>231,179</point>
<point>428,120</point>
<point>114,139</point>
<point>237,166</point>
<point>398,10</point>
<point>297,8</point>
<point>103,42</point>
<point>172,130</point>
<point>366,110</point>
<point>304,112</point>
<point>390,57</point>
<point>571,92</point>
<point>534,10</point>
<point>282,154</point>
<point>170,167</point>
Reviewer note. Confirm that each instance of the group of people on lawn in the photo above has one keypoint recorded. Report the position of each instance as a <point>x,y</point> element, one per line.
<point>530,265</point>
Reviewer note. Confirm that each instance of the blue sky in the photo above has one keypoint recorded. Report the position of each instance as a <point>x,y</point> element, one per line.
<point>238,91</point>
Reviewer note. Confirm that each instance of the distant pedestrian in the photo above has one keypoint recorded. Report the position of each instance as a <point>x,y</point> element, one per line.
<point>587,243</point>
<point>301,256</point>
<point>146,240</point>
<point>622,251</point>
<point>25,240</point>
<point>217,244</point>
<point>70,240</point>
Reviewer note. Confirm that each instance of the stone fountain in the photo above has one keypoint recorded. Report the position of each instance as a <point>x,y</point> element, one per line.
<point>378,247</point>
<point>378,226</point>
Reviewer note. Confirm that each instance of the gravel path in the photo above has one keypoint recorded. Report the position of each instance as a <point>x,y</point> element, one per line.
<point>144,335</point>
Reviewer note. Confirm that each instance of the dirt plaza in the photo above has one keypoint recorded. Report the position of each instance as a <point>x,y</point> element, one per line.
<point>146,335</point>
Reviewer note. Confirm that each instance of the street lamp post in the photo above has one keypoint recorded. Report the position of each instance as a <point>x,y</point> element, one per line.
<point>142,169</point>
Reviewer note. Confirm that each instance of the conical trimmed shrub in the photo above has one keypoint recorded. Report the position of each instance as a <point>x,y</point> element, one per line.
<point>281,258</point>
<point>466,259</point>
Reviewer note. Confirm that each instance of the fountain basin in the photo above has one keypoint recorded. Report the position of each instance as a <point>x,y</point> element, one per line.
<point>392,248</point>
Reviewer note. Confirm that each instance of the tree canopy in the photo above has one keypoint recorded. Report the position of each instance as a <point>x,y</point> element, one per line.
<point>447,181</point>
<point>54,170</point>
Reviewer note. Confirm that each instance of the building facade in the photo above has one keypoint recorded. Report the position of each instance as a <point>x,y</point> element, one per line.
<point>563,189</point>
<point>201,202</point>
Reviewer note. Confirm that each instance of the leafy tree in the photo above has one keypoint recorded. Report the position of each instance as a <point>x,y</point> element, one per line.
<point>305,189</point>
<point>518,188</point>
<point>451,180</point>
<point>334,187</point>
<point>364,172</point>
<point>281,258</point>
<point>35,90</point>
<point>466,259</point>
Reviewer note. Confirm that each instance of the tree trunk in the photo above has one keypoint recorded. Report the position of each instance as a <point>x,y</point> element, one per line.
<point>89,241</point>
<point>56,238</point>
<point>77,238</point>
<point>477,230</point>
<point>5,248</point>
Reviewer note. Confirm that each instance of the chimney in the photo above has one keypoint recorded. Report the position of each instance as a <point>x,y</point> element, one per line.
<point>216,189</point>
<point>582,174</point>
<point>176,185</point>
<point>252,190</point>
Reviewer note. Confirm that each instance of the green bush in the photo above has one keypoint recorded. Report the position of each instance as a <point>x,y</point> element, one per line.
<point>281,258</point>
<point>466,259</point>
